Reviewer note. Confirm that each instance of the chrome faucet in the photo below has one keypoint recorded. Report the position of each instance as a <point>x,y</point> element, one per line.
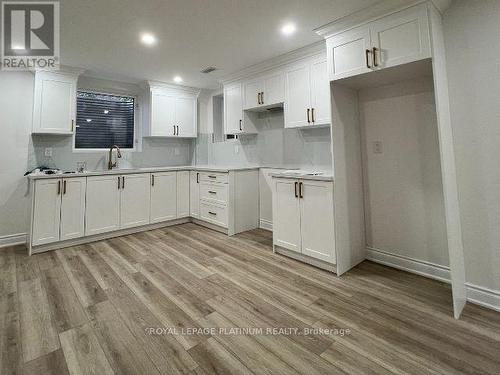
<point>111,165</point>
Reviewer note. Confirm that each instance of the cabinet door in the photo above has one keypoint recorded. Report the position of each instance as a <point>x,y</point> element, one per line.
<point>46,211</point>
<point>185,116</point>
<point>54,103</point>
<point>320,93</point>
<point>252,92</point>
<point>274,89</point>
<point>316,207</point>
<point>182,194</point>
<point>286,215</point>
<point>102,213</point>
<point>347,53</point>
<point>73,208</point>
<point>298,96</point>
<point>233,109</point>
<point>194,194</point>
<point>134,200</point>
<point>402,37</point>
<point>162,115</point>
<point>163,196</point>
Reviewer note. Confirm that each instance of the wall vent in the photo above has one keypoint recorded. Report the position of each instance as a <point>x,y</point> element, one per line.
<point>210,69</point>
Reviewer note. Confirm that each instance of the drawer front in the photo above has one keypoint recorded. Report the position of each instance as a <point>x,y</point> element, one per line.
<point>214,193</point>
<point>214,177</point>
<point>213,214</point>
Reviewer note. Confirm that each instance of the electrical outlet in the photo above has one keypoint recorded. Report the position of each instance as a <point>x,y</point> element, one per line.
<point>377,147</point>
<point>177,151</point>
<point>48,152</point>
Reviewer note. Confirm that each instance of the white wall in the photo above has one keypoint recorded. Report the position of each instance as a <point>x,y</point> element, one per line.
<point>16,101</point>
<point>472,30</point>
<point>404,207</point>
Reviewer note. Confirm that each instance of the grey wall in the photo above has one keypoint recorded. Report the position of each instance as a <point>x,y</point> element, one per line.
<point>473,63</point>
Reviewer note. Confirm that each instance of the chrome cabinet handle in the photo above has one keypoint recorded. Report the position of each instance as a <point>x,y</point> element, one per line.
<point>375,63</point>
<point>312,115</point>
<point>118,182</point>
<point>240,126</point>
<point>212,192</point>
<point>367,52</point>
<point>177,129</point>
<point>152,180</point>
<point>212,213</point>
<point>258,98</point>
<point>308,120</point>
<point>123,182</point>
<point>58,187</point>
<point>300,190</point>
<point>262,97</point>
<point>296,195</point>
<point>197,177</point>
<point>64,187</point>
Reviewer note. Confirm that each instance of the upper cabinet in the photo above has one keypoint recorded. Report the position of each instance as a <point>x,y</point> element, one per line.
<point>307,93</point>
<point>396,39</point>
<point>235,120</point>
<point>172,112</point>
<point>54,109</point>
<point>263,92</point>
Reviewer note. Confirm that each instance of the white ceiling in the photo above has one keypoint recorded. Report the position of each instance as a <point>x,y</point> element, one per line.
<point>102,36</point>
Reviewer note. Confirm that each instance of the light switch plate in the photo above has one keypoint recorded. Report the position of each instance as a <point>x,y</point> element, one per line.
<point>377,147</point>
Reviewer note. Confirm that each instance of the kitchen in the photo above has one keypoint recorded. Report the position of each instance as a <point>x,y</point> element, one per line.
<point>311,181</point>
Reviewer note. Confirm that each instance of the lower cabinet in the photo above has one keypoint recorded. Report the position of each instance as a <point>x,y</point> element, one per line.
<point>58,210</point>
<point>163,196</point>
<point>194,194</point>
<point>182,194</point>
<point>134,200</point>
<point>103,204</point>
<point>303,217</point>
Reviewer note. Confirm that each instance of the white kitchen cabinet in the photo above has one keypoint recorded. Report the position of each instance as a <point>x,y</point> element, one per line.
<point>399,38</point>
<point>194,194</point>
<point>316,214</point>
<point>303,217</point>
<point>307,93</point>
<point>73,193</point>
<point>163,197</point>
<point>264,91</point>
<point>286,214</point>
<point>233,109</point>
<point>54,105</point>
<point>171,111</point>
<point>185,116</point>
<point>102,213</point>
<point>183,194</point>
<point>46,214</point>
<point>134,200</point>
<point>349,53</point>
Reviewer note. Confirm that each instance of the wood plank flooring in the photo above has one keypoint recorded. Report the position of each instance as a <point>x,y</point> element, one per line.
<point>188,300</point>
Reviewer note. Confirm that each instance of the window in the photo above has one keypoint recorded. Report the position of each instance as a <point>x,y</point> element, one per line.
<point>104,120</point>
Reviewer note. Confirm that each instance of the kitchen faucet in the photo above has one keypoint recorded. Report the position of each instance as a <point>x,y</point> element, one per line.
<point>111,165</point>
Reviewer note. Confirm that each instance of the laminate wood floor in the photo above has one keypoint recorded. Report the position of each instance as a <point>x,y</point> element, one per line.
<point>188,300</point>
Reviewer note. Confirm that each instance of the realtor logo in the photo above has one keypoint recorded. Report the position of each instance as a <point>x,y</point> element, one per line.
<point>30,35</point>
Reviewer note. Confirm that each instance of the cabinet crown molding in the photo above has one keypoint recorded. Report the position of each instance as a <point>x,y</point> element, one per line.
<point>275,62</point>
<point>175,88</point>
<point>63,69</point>
<point>379,10</point>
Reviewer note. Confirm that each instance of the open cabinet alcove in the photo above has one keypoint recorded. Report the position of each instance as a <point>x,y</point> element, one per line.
<point>394,52</point>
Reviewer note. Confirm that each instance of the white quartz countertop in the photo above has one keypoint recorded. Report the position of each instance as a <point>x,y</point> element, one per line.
<point>304,175</point>
<point>121,171</point>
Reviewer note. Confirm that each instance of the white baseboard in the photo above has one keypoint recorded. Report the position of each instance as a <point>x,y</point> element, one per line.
<point>266,224</point>
<point>12,239</point>
<point>419,267</point>
<point>483,296</point>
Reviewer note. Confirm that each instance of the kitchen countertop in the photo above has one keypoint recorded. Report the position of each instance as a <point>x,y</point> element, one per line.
<point>303,175</point>
<point>119,171</point>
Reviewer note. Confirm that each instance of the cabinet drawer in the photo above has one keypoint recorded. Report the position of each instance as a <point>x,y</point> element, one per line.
<point>213,214</point>
<point>214,177</point>
<point>215,193</point>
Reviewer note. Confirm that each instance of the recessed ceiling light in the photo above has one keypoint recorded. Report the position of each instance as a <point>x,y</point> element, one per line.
<point>177,79</point>
<point>288,29</point>
<point>89,120</point>
<point>148,39</point>
<point>106,111</point>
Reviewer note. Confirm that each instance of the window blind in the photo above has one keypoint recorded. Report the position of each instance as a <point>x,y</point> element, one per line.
<point>104,120</point>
